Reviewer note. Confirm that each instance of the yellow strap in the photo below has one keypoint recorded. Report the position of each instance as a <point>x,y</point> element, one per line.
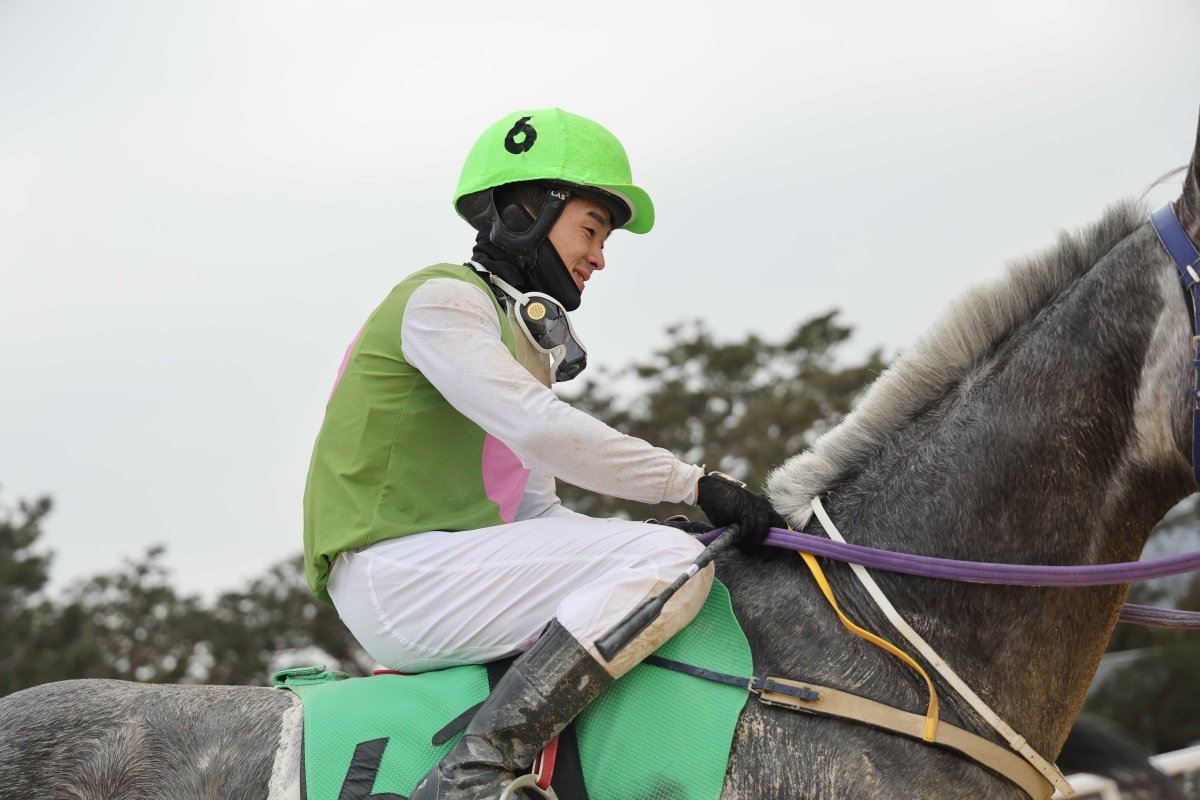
<point>931,714</point>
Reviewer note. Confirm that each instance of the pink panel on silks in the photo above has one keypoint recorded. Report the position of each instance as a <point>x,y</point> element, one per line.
<point>345,361</point>
<point>504,477</point>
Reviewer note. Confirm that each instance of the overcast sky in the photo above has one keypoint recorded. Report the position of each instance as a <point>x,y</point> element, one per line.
<point>201,202</point>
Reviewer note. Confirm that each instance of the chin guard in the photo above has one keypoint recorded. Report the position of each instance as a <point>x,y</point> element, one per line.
<point>523,245</point>
<point>547,327</point>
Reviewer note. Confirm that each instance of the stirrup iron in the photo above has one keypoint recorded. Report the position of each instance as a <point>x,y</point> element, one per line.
<point>529,783</point>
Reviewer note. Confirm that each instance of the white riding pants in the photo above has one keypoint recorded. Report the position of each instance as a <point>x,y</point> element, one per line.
<point>444,598</point>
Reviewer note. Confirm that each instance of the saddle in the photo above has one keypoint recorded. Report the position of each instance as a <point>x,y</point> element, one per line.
<point>657,733</point>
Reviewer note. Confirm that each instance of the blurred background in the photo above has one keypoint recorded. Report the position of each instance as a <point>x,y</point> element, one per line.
<point>200,204</point>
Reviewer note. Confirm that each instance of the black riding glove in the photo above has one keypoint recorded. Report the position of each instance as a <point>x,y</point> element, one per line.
<point>728,502</point>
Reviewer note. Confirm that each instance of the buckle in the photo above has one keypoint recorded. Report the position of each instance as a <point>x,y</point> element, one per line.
<point>785,694</point>
<point>528,783</point>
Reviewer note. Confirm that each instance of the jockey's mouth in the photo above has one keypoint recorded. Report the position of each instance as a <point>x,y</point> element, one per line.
<point>580,274</point>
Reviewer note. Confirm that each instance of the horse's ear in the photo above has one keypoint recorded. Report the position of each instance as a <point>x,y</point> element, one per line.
<point>1189,201</point>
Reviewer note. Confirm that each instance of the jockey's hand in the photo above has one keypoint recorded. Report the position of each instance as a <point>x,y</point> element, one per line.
<point>694,527</point>
<point>728,502</point>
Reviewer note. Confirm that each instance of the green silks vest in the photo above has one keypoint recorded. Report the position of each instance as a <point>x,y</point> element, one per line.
<point>393,457</point>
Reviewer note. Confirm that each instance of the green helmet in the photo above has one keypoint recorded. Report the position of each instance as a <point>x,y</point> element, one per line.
<point>558,148</point>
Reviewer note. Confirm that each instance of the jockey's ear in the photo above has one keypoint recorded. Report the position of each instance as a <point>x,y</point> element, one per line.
<point>1189,201</point>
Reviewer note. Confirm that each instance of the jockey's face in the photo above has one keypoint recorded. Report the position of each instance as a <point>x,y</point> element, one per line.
<point>579,236</point>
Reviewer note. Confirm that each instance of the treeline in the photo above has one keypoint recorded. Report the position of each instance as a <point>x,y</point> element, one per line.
<point>133,624</point>
<point>742,407</point>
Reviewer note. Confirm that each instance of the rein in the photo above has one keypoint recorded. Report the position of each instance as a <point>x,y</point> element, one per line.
<point>1003,574</point>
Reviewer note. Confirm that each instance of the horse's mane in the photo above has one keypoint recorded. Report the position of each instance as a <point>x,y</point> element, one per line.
<point>964,335</point>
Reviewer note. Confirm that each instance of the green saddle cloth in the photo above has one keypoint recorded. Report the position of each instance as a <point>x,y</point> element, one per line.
<point>656,734</point>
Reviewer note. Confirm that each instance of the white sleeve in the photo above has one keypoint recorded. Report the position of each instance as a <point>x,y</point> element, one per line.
<point>452,335</point>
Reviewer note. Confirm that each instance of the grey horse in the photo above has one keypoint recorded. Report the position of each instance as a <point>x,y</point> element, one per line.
<point>1044,420</point>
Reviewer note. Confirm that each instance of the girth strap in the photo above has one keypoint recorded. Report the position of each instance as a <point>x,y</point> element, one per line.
<point>815,699</point>
<point>755,685</point>
<point>701,672</point>
<point>836,703</point>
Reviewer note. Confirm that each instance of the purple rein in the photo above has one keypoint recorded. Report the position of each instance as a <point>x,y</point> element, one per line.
<point>1006,574</point>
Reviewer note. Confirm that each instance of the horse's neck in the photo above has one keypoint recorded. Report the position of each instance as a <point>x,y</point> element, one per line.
<point>1065,446</point>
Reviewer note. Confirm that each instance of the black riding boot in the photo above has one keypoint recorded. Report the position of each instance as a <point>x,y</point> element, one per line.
<point>539,695</point>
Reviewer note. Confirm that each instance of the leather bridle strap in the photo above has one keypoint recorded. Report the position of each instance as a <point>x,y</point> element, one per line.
<point>836,703</point>
<point>1187,261</point>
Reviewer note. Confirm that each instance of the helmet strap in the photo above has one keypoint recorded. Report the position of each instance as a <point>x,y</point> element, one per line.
<point>523,245</point>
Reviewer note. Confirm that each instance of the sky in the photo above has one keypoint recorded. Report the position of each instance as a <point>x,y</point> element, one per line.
<point>200,203</point>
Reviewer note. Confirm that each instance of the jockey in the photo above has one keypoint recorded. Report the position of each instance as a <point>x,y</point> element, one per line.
<point>431,520</point>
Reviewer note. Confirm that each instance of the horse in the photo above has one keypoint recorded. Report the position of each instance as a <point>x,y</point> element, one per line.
<point>1043,420</point>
